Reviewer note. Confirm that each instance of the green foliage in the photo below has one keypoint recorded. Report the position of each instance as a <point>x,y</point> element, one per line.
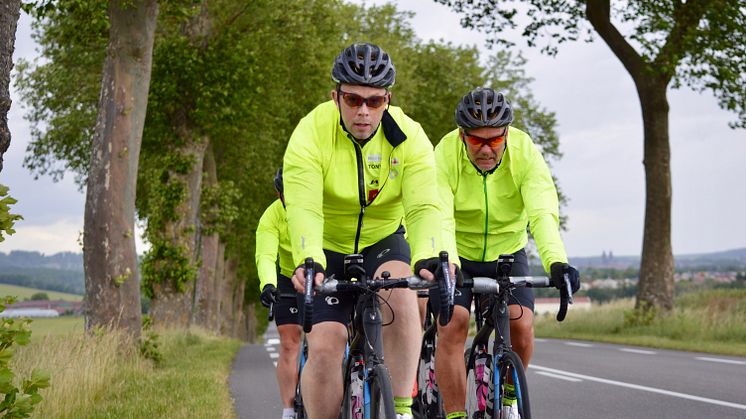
<point>697,43</point>
<point>61,92</point>
<point>40,296</point>
<point>219,207</point>
<point>17,402</point>
<point>644,315</point>
<point>149,342</point>
<point>166,262</point>
<point>6,218</point>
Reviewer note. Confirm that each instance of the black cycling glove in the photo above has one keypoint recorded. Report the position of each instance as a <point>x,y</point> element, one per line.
<point>317,268</point>
<point>269,295</point>
<point>433,266</point>
<point>558,271</point>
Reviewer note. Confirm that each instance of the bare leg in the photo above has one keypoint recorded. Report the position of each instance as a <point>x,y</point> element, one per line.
<point>287,364</point>
<point>401,339</point>
<point>450,371</point>
<point>322,374</point>
<point>522,332</point>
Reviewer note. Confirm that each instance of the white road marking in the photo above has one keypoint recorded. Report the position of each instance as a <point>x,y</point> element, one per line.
<point>273,341</point>
<point>582,345</point>
<point>637,351</point>
<point>275,362</point>
<point>643,388</point>
<point>271,349</point>
<point>274,355</point>
<point>561,377</point>
<point>540,340</point>
<point>725,361</point>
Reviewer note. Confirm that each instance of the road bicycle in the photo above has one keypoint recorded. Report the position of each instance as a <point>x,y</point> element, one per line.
<point>487,371</point>
<point>368,392</point>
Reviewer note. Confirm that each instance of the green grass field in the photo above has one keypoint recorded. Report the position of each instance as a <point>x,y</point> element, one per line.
<point>41,327</point>
<point>25,293</point>
<point>711,321</point>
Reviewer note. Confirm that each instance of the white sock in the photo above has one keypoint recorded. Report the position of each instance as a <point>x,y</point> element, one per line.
<point>288,412</point>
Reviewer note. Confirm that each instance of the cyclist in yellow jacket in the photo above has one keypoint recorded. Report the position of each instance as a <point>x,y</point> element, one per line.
<point>354,167</point>
<point>274,264</point>
<point>493,183</point>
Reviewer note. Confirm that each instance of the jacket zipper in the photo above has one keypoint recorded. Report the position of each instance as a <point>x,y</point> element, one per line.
<point>486,215</point>
<point>361,192</point>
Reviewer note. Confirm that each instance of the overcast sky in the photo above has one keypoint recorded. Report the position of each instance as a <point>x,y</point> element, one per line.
<point>600,129</point>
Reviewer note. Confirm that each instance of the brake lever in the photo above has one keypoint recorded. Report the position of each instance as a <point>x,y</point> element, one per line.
<point>565,298</point>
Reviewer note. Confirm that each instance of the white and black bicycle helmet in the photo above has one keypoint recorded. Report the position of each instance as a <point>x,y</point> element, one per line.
<point>364,64</point>
<point>483,107</point>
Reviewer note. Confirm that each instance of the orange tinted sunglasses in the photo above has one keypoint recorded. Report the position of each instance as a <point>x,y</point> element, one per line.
<point>481,142</point>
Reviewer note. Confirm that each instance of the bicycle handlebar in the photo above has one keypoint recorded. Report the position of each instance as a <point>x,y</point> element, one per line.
<point>486,285</point>
<point>447,290</point>
<point>332,285</point>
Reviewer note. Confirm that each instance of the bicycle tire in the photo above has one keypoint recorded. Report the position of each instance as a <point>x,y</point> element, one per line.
<point>300,410</point>
<point>381,394</point>
<point>428,404</point>
<point>509,365</point>
<point>479,383</point>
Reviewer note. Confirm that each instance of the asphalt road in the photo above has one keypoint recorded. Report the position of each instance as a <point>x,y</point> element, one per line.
<point>567,379</point>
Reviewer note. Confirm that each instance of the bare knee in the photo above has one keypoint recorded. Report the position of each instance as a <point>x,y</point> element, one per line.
<point>451,338</point>
<point>289,338</point>
<point>326,344</point>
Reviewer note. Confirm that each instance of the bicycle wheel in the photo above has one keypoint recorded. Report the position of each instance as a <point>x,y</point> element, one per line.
<point>479,384</point>
<point>300,410</point>
<point>510,365</point>
<point>428,403</point>
<point>380,403</point>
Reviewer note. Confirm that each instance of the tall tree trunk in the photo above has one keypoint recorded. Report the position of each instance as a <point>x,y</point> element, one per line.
<point>216,301</point>
<point>655,288</point>
<point>204,295</point>
<point>10,10</point>
<point>111,274</point>
<point>239,315</point>
<point>248,332</point>
<point>656,269</point>
<point>172,306</point>
<point>227,312</point>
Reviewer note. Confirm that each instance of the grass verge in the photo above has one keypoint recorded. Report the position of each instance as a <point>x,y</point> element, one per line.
<point>105,377</point>
<point>711,321</point>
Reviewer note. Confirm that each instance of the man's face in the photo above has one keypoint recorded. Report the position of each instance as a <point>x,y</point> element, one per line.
<point>485,146</point>
<point>361,108</point>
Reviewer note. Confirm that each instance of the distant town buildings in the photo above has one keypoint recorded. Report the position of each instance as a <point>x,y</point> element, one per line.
<point>43,308</point>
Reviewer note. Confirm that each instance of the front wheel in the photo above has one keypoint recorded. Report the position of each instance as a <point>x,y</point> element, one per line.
<point>510,369</point>
<point>381,395</point>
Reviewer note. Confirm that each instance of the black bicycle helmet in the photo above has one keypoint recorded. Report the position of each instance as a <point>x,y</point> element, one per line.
<point>483,107</point>
<point>364,64</point>
<point>278,181</point>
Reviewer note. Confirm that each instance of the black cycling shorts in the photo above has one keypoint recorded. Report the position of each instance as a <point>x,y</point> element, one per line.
<point>286,309</point>
<point>338,306</point>
<point>523,295</point>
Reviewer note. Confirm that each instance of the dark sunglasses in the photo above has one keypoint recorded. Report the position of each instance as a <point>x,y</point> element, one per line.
<point>355,101</point>
<point>481,142</point>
